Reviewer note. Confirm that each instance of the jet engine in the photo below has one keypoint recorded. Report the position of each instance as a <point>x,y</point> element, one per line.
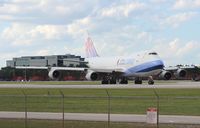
<point>54,74</point>
<point>165,75</point>
<point>180,73</point>
<point>91,75</point>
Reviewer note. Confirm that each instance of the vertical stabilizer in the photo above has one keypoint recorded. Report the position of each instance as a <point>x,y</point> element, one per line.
<point>90,49</point>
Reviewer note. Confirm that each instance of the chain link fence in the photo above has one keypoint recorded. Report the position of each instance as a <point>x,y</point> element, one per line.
<point>53,111</point>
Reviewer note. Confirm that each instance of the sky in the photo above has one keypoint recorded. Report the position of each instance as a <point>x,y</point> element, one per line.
<point>117,28</point>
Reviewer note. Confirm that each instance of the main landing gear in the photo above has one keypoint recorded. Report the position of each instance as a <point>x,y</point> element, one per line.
<point>139,80</point>
<point>123,80</point>
<point>114,80</point>
<point>109,80</point>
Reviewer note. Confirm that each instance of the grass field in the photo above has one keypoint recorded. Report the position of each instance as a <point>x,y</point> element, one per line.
<point>127,101</point>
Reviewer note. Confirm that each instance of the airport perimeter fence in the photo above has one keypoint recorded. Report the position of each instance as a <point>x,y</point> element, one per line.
<point>31,109</point>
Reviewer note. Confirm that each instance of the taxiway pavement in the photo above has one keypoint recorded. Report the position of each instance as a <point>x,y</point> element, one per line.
<point>100,117</point>
<point>184,84</point>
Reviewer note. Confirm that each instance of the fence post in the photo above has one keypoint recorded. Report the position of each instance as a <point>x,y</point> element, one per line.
<point>63,109</point>
<point>25,107</point>
<point>109,107</point>
<point>158,107</point>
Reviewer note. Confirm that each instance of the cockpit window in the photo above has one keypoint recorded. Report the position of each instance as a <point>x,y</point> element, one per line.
<point>153,53</point>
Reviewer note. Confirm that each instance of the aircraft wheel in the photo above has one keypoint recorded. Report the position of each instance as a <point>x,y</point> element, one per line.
<point>138,81</point>
<point>104,82</point>
<point>150,82</point>
<point>123,81</point>
<point>113,81</point>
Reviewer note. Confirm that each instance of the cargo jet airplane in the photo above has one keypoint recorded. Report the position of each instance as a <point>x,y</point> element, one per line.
<point>111,70</point>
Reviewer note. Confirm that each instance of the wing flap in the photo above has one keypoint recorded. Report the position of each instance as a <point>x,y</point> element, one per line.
<point>52,68</point>
<point>30,67</point>
<point>68,68</point>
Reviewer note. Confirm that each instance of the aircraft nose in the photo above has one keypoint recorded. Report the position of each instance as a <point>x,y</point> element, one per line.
<point>158,64</point>
<point>162,64</point>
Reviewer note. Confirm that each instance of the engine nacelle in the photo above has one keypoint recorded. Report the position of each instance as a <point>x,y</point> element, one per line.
<point>180,73</point>
<point>165,75</point>
<point>91,75</point>
<point>54,74</point>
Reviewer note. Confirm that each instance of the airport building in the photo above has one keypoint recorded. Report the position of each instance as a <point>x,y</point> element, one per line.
<point>67,60</point>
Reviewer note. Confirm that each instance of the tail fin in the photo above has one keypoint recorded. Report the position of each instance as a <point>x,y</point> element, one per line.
<point>90,49</point>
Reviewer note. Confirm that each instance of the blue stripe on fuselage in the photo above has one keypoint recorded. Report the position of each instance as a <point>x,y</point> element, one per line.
<point>146,67</point>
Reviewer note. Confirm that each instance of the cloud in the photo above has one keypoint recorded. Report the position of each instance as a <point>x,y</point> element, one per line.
<point>80,27</point>
<point>186,4</point>
<point>122,10</point>
<point>177,19</point>
<point>19,34</point>
<point>45,11</point>
<point>43,52</point>
<point>40,27</point>
<point>158,1</point>
<point>16,34</point>
<point>177,51</point>
<point>22,42</point>
<point>48,31</point>
<point>188,48</point>
<point>76,51</point>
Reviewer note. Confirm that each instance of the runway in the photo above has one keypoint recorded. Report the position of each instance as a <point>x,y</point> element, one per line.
<point>100,117</point>
<point>181,84</point>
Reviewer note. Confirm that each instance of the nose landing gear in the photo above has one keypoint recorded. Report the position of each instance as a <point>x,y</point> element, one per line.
<point>150,80</point>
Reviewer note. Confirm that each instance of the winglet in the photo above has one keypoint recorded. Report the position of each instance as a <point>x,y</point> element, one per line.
<point>90,49</point>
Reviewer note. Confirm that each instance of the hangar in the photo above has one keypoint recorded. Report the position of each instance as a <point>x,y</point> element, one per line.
<point>67,60</point>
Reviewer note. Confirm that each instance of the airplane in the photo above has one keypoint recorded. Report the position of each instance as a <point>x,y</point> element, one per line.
<point>111,70</point>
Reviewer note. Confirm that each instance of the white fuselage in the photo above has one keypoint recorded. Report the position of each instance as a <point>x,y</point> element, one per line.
<point>140,65</point>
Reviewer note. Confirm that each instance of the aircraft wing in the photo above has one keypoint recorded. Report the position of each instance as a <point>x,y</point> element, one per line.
<point>174,68</point>
<point>101,70</point>
<point>30,67</point>
<point>52,68</point>
<point>68,68</point>
<point>177,71</point>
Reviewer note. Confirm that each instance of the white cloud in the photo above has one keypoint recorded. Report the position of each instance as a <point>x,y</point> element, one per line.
<point>22,42</point>
<point>177,51</point>
<point>178,19</point>
<point>144,37</point>
<point>9,9</point>
<point>117,27</point>
<point>122,10</point>
<point>16,34</point>
<point>43,52</point>
<point>188,48</point>
<point>48,31</point>
<point>80,27</point>
<point>76,51</point>
<point>186,4</point>
<point>45,11</point>
<point>19,34</point>
<point>158,1</point>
